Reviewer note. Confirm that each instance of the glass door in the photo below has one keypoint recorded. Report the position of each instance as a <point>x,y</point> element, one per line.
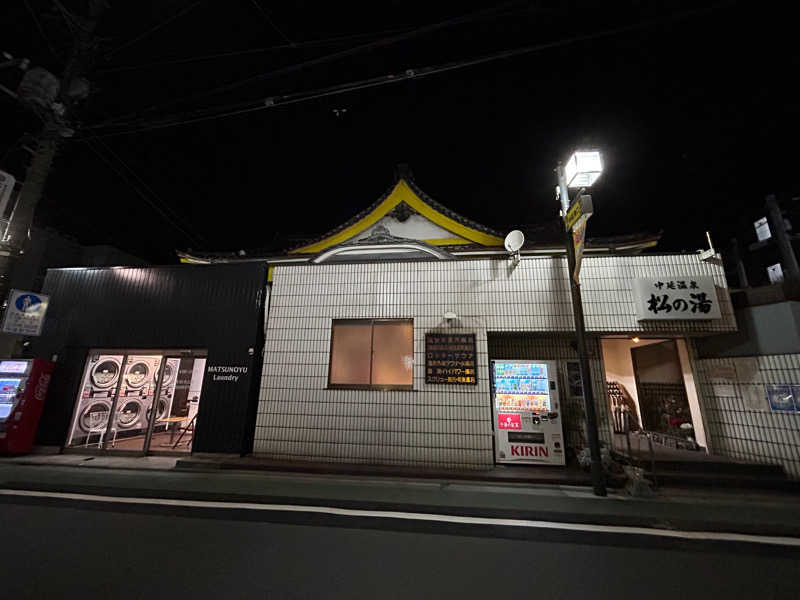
<point>135,398</point>
<point>179,400</point>
<point>98,394</point>
<point>138,401</point>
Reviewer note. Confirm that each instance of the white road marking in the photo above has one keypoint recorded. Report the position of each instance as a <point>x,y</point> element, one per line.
<point>413,516</point>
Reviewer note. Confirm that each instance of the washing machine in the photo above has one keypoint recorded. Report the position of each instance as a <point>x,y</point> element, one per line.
<point>136,393</point>
<point>101,376</point>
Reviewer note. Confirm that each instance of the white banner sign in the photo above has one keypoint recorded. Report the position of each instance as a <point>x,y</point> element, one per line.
<point>675,297</point>
<point>25,313</point>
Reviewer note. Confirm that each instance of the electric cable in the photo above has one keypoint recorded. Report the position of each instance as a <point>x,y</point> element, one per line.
<point>191,237</point>
<point>153,29</point>
<point>42,32</point>
<point>234,53</point>
<point>269,20</point>
<point>142,182</point>
<point>327,58</point>
<point>270,102</point>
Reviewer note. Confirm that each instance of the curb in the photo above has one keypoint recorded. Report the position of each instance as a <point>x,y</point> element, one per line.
<point>651,522</point>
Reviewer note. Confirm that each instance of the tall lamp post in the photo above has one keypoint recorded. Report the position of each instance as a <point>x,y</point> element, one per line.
<point>581,171</point>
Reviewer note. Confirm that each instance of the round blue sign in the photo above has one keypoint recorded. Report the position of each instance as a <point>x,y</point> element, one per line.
<point>28,303</point>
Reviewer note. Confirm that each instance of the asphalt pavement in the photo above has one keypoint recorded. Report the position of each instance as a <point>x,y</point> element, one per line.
<point>62,546</point>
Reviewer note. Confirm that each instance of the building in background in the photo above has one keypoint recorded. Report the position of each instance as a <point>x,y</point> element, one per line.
<point>50,249</point>
<point>408,336</point>
<point>752,376</point>
<point>153,359</point>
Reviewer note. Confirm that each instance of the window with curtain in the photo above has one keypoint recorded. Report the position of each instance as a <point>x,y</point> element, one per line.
<point>372,353</point>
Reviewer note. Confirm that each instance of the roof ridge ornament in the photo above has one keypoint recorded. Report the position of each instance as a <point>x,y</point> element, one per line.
<point>380,234</point>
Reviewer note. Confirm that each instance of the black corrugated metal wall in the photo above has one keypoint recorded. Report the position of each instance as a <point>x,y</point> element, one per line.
<point>214,307</point>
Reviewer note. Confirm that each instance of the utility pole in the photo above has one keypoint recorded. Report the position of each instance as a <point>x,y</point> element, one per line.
<point>592,437</point>
<point>782,239</point>
<point>17,235</point>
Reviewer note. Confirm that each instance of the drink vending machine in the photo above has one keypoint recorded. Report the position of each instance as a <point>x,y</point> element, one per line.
<point>23,388</point>
<point>527,417</point>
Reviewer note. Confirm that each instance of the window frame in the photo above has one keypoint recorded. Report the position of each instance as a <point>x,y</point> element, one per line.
<point>369,386</point>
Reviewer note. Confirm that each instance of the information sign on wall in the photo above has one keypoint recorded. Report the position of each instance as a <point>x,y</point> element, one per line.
<point>675,297</point>
<point>25,313</point>
<point>450,358</point>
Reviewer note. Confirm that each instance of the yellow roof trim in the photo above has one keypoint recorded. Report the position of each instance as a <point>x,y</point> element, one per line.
<point>402,193</point>
<point>451,241</point>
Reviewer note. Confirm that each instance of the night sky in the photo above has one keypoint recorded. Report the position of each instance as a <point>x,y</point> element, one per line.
<point>697,116</point>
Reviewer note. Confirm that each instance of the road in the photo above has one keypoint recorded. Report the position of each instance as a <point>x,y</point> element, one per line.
<point>67,548</point>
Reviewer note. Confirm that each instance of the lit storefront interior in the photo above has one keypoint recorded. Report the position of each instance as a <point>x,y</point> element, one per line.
<point>153,395</point>
<point>652,397</point>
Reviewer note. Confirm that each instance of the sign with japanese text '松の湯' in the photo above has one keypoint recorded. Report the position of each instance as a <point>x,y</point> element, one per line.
<point>675,297</point>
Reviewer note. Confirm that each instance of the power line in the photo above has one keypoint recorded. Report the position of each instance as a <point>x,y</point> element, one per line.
<point>42,32</point>
<point>141,181</point>
<point>172,221</point>
<point>153,29</point>
<point>233,53</point>
<point>269,20</point>
<point>253,106</point>
<point>328,57</point>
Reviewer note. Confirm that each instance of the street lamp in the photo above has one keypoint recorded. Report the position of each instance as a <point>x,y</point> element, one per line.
<point>582,170</point>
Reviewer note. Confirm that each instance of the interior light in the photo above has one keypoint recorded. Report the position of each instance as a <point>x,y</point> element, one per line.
<point>635,340</point>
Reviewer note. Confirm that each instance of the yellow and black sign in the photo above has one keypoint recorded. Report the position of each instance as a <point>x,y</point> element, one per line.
<point>450,358</point>
<point>581,208</point>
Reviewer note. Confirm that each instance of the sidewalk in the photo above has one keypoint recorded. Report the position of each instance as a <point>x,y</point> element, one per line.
<point>727,510</point>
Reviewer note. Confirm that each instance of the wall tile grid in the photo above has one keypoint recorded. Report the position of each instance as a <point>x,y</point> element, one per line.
<point>433,425</point>
<point>740,431</point>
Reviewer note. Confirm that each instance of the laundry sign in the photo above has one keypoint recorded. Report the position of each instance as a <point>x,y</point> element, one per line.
<point>675,297</point>
<point>226,372</point>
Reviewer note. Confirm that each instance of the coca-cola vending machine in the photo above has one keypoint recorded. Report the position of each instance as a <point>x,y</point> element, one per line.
<point>527,416</point>
<point>23,388</point>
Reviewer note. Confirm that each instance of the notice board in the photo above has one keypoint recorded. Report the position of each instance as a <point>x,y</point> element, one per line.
<point>450,358</point>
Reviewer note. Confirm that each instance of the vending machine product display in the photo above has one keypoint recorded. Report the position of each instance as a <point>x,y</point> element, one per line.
<point>23,388</point>
<point>526,412</point>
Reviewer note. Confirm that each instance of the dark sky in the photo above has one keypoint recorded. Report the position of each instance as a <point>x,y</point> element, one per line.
<point>696,116</point>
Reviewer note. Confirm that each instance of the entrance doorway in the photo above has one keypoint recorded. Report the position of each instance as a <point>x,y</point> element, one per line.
<point>142,401</point>
<point>652,396</point>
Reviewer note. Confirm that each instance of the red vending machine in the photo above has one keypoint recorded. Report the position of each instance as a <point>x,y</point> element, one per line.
<point>23,388</point>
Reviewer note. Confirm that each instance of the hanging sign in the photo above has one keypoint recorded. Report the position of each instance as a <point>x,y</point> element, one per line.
<point>25,313</point>
<point>450,358</point>
<point>675,297</point>
<point>580,210</point>
<point>578,238</point>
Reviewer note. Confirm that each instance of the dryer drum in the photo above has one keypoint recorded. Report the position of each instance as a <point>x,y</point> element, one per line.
<point>161,411</point>
<point>169,373</point>
<point>137,374</point>
<point>105,373</point>
<point>128,415</point>
<point>94,417</point>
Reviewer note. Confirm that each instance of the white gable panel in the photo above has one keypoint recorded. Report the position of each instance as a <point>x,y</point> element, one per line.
<point>416,227</point>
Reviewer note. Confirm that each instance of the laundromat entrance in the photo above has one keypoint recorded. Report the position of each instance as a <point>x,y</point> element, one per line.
<point>138,401</point>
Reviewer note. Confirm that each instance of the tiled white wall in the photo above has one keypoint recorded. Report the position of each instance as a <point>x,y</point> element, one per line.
<point>433,425</point>
<point>741,432</point>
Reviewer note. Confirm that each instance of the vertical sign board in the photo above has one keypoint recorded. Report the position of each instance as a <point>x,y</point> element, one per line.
<point>25,313</point>
<point>183,380</point>
<point>451,358</point>
<point>675,297</point>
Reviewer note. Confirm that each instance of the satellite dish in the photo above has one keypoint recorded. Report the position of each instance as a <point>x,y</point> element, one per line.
<point>514,241</point>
